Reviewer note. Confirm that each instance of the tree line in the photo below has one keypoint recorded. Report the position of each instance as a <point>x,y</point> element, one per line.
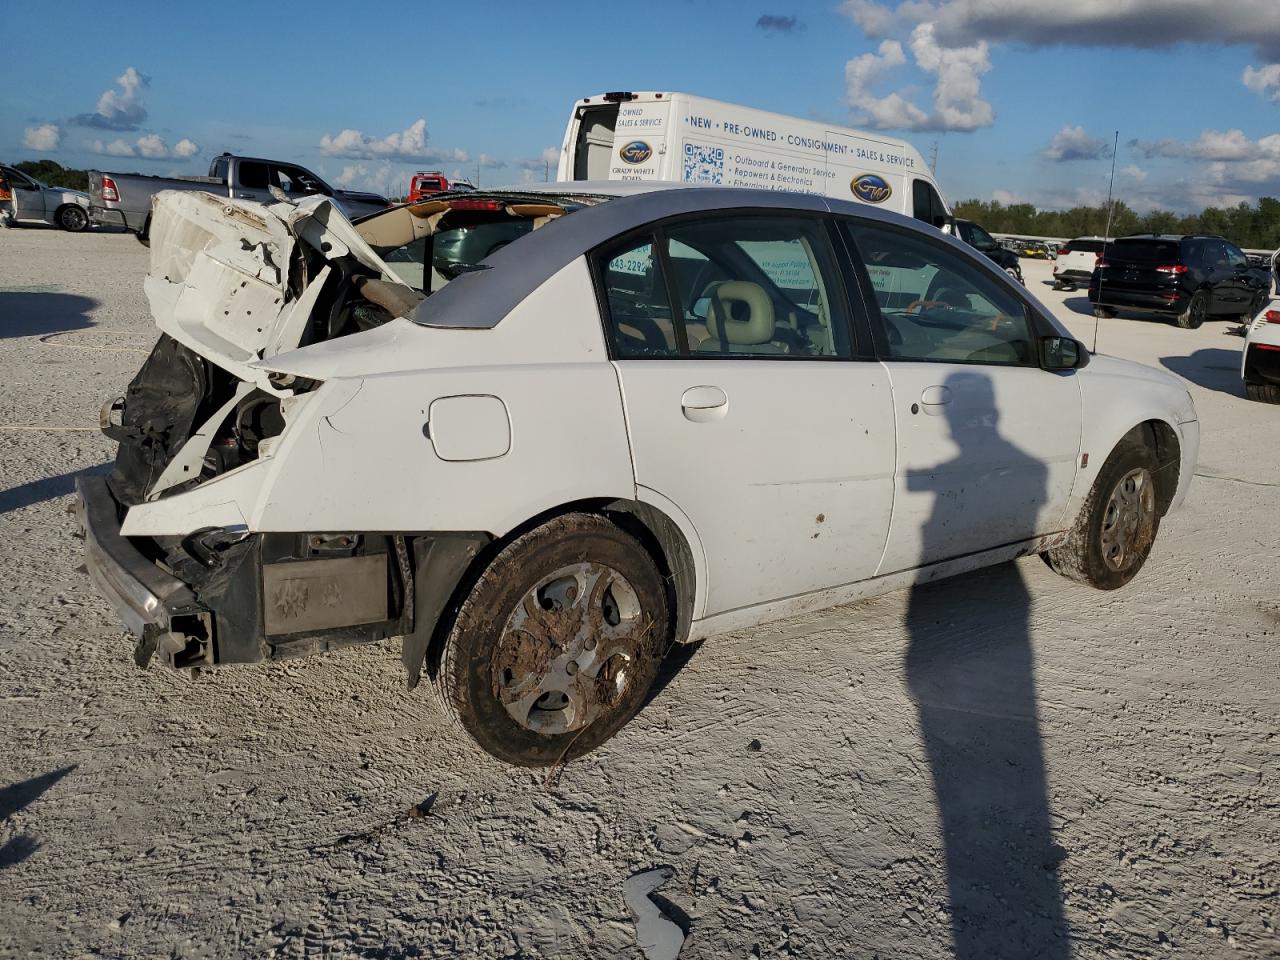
<point>54,174</point>
<point>1254,227</point>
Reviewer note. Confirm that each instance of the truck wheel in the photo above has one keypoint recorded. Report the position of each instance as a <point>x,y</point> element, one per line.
<point>144,235</point>
<point>1263,392</point>
<point>557,644</point>
<point>72,218</point>
<point>1196,311</point>
<point>1112,536</point>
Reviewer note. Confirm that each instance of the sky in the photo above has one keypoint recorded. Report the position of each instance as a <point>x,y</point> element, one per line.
<point>1023,98</point>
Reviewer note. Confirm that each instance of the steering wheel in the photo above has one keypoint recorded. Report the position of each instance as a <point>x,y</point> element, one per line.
<point>915,306</point>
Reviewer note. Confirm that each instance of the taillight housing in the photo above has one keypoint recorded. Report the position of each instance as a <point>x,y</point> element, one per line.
<point>1100,264</point>
<point>1064,250</point>
<point>109,191</point>
<point>1272,316</point>
<point>1174,268</point>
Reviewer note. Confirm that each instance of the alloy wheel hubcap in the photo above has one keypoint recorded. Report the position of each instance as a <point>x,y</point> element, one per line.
<point>1127,523</point>
<point>567,651</point>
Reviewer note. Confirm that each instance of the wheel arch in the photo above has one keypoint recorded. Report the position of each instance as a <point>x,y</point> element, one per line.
<point>1162,439</point>
<point>656,532</point>
<point>57,213</point>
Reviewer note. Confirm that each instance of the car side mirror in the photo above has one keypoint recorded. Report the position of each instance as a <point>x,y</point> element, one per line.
<point>1062,353</point>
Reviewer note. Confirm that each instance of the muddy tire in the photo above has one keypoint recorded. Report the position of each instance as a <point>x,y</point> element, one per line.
<point>1263,392</point>
<point>557,643</point>
<point>1113,535</point>
<point>72,218</point>
<point>1192,317</point>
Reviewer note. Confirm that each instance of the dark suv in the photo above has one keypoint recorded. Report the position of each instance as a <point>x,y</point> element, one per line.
<point>1189,278</point>
<point>979,239</point>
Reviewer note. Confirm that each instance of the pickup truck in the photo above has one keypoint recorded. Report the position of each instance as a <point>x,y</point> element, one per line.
<point>124,199</point>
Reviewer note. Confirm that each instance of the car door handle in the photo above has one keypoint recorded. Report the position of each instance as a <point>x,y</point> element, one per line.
<point>934,400</point>
<point>704,403</point>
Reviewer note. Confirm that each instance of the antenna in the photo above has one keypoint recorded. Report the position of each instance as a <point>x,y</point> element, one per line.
<point>933,159</point>
<point>1106,239</point>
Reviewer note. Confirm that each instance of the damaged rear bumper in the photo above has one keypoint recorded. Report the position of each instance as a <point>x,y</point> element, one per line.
<point>158,609</point>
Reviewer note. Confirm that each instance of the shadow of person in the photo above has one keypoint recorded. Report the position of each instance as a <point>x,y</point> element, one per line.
<point>970,670</point>
<point>34,313</point>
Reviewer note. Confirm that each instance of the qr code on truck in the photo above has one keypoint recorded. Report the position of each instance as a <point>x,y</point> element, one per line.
<point>703,164</point>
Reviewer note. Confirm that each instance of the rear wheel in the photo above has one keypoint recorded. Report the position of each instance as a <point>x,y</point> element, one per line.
<point>557,644</point>
<point>1106,313</point>
<point>1263,392</point>
<point>1112,536</point>
<point>1255,306</point>
<point>144,235</point>
<point>1196,311</point>
<point>1013,272</point>
<point>72,218</point>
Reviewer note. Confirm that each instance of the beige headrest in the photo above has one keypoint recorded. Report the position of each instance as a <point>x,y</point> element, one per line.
<point>758,325</point>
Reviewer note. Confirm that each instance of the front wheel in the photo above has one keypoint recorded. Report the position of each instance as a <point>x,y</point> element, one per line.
<point>1197,310</point>
<point>557,644</point>
<point>72,218</point>
<point>1016,274</point>
<point>1113,535</point>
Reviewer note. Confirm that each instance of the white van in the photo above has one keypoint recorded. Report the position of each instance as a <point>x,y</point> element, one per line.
<point>677,136</point>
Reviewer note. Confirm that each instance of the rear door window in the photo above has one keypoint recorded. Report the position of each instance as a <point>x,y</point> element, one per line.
<point>765,287</point>
<point>635,288</point>
<point>1145,251</point>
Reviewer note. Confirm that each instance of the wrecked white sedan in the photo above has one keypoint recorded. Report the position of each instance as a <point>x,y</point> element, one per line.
<point>543,435</point>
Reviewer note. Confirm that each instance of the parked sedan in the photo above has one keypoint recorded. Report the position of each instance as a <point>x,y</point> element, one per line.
<point>655,414</point>
<point>36,202</point>
<point>1189,278</point>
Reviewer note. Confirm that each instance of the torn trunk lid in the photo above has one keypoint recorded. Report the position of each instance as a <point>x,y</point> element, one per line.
<point>237,282</point>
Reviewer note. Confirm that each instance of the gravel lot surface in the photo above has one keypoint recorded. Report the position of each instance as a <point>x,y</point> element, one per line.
<point>1005,764</point>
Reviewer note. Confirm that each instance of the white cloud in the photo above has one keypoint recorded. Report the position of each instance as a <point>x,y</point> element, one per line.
<point>409,144</point>
<point>957,72</point>
<point>351,174</point>
<point>1264,81</point>
<point>490,163</point>
<point>119,109</point>
<point>1072,143</point>
<point>1104,23</point>
<point>149,146</point>
<point>1006,198</point>
<point>1135,173</point>
<point>1225,145</point>
<point>152,147</point>
<point>45,137</point>
<point>551,155</point>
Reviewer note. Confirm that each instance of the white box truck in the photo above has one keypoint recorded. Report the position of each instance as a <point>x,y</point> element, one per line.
<point>678,136</point>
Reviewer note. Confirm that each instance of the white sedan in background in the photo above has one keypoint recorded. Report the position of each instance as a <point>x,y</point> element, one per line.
<point>544,434</point>
<point>1260,363</point>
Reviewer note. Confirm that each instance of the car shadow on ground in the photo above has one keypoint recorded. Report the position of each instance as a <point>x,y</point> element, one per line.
<point>969,668</point>
<point>35,313</point>
<point>46,488</point>
<point>15,797</point>
<point>1212,368</point>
